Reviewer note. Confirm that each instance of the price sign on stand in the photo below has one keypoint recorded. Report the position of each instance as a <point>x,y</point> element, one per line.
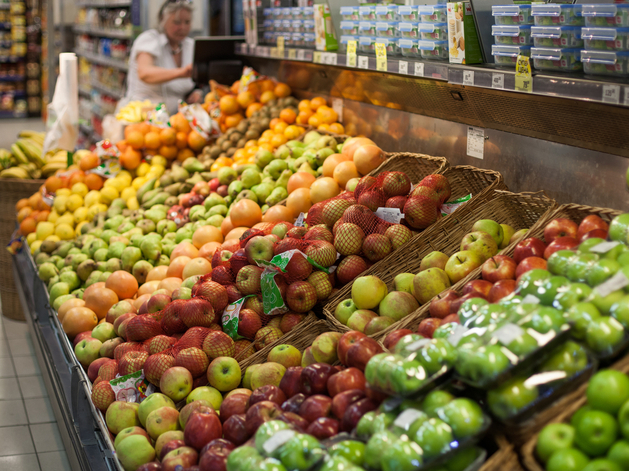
<point>523,77</point>
<point>280,47</point>
<point>419,69</point>
<point>611,94</point>
<point>468,78</point>
<point>363,62</point>
<point>337,105</point>
<point>403,67</point>
<point>381,57</point>
<point>498,81</point>
<point>350,59</point>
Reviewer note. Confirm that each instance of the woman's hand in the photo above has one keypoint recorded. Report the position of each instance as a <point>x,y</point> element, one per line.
<point>186,71</point>
<point>195,97</point>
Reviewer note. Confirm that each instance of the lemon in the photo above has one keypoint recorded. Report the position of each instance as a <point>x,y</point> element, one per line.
<point>60,203</point>
<point>91,198</point>
<point>53,216</point>
<point>80,226</point>
<point>44,229</point>
<point>65,219</point>
<point>127,193</point>
<point>156,171</point>
<point>74,202</point>
<point>124,175</point>
<point>80,189</point>
<point>138,182</point>
<point>63,192</point>
<point>159,160</point>
<point>108,194</point>
<point>64,231</point>
<point>35,245</point>
<point>53,237</point>
<point>95,209</point>
<point>32,237</point>
<point>80,214</point>
<point>132,203</point>
<point>142,169</point>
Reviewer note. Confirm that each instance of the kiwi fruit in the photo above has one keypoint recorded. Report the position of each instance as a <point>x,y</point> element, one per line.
<point>220,140</point>
<point>226,145</point>
<point>231,151</point>
<point>235,137</point>
<point>223,154</point>
<point>251,134</point>
<point>264,123</point>
<point>242,126</point>
<point>241,143</point>
<point>215,151</point>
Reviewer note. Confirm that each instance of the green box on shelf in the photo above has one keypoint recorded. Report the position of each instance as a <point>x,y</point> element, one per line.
<point>463,43</point>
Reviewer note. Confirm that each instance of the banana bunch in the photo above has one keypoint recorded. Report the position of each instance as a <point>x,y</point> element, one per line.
<point>25,159</point>
<point>22,171</point>
<point>54,162</point>
<point>135,111</point>
<point>6,159</point>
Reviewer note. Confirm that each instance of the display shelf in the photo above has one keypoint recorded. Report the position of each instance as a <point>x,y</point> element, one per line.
<point>112,4</point>
<point>107,90</point>
<point>572,86</point>
<point>106,33</point>
<point>97,59</point>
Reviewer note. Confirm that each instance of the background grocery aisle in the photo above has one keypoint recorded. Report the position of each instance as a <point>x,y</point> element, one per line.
<point>11,128</point>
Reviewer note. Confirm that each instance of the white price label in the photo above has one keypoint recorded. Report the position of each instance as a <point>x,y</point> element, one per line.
<point>419,69</point>
<point>421,343</point>
<point>611,94</point>
<point>508,333</point>
<point>292,53</point>
<point>498,81</point>
<point>330,58</point>
<point>300,220</point>
<point>468,78</point>
<point>337,105</point>
<point>475,142</point>
<point>616,282</point>
<point>392,215</point>
<point>301,54</point>
<point>363,62</point>
<point>626,101</point>
<point>278,440</point>
<point>403,67</point>
<point>259,51</point>
<point>457,334</point>
<point>406,418</point>
<point>604,247</point>
<point>530,299</point>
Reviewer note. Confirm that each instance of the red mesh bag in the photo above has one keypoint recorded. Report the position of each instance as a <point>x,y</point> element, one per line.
<point>103,395</point>
<point>329,211</point>
<point>243,349</point>
<point>212,291</point>
<point>194,360</point>
<point>160,343</point>
<point>131,362</point>
<point>171,322</point>
<point>218,344</point>
<point>249,322</point>
<point>155,366</point>
<point>126,347</point>
<point>108,371</point>
<point>143,327</point>
<point>193,337</point>
<point>195,312</point>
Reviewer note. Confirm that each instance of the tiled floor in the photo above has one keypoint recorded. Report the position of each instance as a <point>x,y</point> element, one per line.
<point>29,437</point>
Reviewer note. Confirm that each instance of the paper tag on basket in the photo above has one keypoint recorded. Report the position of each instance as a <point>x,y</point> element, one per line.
<point>508,333</point>
<point>616,282</point>
<point>530,299</point>
<point>452,206</point>
<point>392,215</point>
<point>421,343</point>
<point>604,247</point>
<point>457,334</point>
<point>277,440</point>
<point>230,317</point>
<point>300,220</point>
<point>406,418</point>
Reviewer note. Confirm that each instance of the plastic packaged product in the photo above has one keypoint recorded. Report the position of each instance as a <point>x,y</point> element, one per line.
<point>309,40</point>
<point>344,40</point>
<point>390,45</point>
<point>287,26</point>
<point>287,13</point>
<point>433,31</point>
<point>367,44</point>
<point>367,13</point>
<point>349,27</point>
<point>267,13</point>
<point>432,13</point>
<point>367,28</point>
<point>550,14</point>
<point>386,13</point>
<point>433,49</point>
<point>386,29</point>
<point>268,37</point>
<point>559,59</point>
<point>605,62</point>
<point>277,25</point>
<point>408,13</point>
<point>606,15</point>
<point>268,25</point>
<point>611,39</point>
<point>512,14</point>
<point>280,440</point>
<point>557,36</point>
<point>277,13</point>
<point>408,47</point>
<point>309,26</point>
<point>297,26</point>
<point>349,13</point>
<point>295,13</point>
<point>307,13</point>
<point>297,39</point>
<point>512,34</point>
<point>408,30</point>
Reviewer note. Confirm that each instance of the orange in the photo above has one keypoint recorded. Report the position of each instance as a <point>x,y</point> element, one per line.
<point>87,162</point>
<point>93,181</point>
<point>122,145</point>
<point>224,162</point>
<point>136,140</point>
<point>278,140</point>
<point>123,284</point>
<point>180,123</point>
<point>196,142</point>
<point>344,172</point>
<point>331,162</point>
<point>293,132</point>
<point>250,143</point>
<point>76,177</point>
<point>304,105</point>
<point>34,199</point>
<point>252,108</point>
<point>327,114</point>
<point>267,85</point>
<point>304,116</point>
<point>323,189</point>
<point>234,235</point>
<point>272,125</point>
<point>184,249</point>
<point>316,102</point>
<point>228,104</point>
<point>300,180</point>
<point>337,128</point>
<point>282,90</point>
<point>129,129</point>
<point>205,234</point>
<point>21,203</point>
<point>100,299</point>
<point>314,121</point>
<point>280,127</point>
<point>168,152</point>
<point>181,140</point>
<point>268,146</point>
<point>152,140</point>
<point>28,225</point>
<point>288,116</point>
<point>267,96</point>
<point>299,201</point>
<point>324,127</point>
<point>226,226</point>
<point>78,319</point>
<point>42,216</point>
<point>233,120</point>
<point>144,128</point>
<point>239,155</point>
<point>130,159</point>
<point>183,154</point>
<point>278,213</point>
<point>168,136</point>
<point>156,129</point>
<point>53,184</point>
<point>245,213</point>
<point>235,88</point>
<point>245,99</point>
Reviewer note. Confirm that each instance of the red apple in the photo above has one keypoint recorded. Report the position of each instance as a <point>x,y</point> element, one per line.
<point>428,326</point>
<point>295,420</point>
<point>560,227</point>
<point>440,304</point>
<point>260,413</point>
<point>477,286</point>
<point>345,342</point>
<point>201,429</point>
<point>355,411</point>
<point>376,396</point>
<point>294,403</point>
<point>233,405</point>
<point>323,428</point>
<point>361,352</point>
<point>501,289</point>
<point>290,382</point>
<point>235,429</point>
<point>561,243</point>
<point>170,446</point>
<point>499,267</point>
<point>152,466</point>
<point>183,457</point>
<point>591,223</point>
<point>595,233</point>
<point>88,334</point>
<point>452,318</point>
<point>214,455</point>
<point>314,378</point>
<point>456,304</point>
<point>349,378</point>
<point>268,392</point>
<point>394,337</point>
<point>92,370</point>
<point>528,264</point>
<point>531,247</point>
<point>315,406</point>
<point>342,401</point>
<point>220,444</point>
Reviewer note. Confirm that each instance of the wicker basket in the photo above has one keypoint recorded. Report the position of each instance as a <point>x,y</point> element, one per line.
<point>11,191</point>
<point>561,411</point>
<point>520,210</point>
<point>416,166</point>
<point>504,458</point>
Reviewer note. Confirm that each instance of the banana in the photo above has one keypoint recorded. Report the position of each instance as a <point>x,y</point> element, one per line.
<point>14,172</point>
<point>32,152</point>
<point>51,167</point>
<point>18,154</point>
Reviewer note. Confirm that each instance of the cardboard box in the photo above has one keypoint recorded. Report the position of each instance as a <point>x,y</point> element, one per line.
<point>463,43</point>
<point>324,29</point>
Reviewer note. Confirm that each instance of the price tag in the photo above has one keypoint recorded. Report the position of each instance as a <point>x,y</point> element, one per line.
<point>300,220</point>
<point>406,418</point>
<point>457,334</point>
<point>523,77</point>
<point>278,440</point>
<point>498,81</point>
<point>468,78</point>
<point>274,52</point>
<point>419,69</point>
<point>392,215</point>
<point>530,299</point>
<point>475,142</point>
<point>337,105</point>
<point>363,62</point>
<point>508,333</point>
<point>280,46</point>
<point>301,55</point>
<point>292,53</point>
<point>616,282</point>
<point>421,343</point>
<point>381,57</point>
<point>403,67</point>
<point>604,247</point>
<point>611,94</point>
<point>316,57</point>
<point>330,58</point>
<point>259,51</point>
<point>350,58</point>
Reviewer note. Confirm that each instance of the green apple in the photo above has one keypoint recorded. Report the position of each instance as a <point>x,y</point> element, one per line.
<point>463,459</point>
<point>558,262</point>
<point>620,311</point>
<point>601,271</point>
<point>576,417</point>
<point>576,293</point>
<point>351,450</point>
<point>344,310</point>
<point>270,464</point>
<point>507,232</point>
<point>206,393</point>
<point>402,455</point>
<point>554,437</point>
<point>243,455</point>
<point>433,356</point>
<point>608,390</point>
<point>404,282</point>
<point>338,463</point>
<point>511,397</point>
<point>605,303</point>
<point>429,283</point>
<point>266,431</point>
<point>407,376</point>
<point>87,350</point>
<point>434,400</point>
<point>301,452</point>
<point>224,374</point>
<point>580,315</point>
<point>494,229</point>
<point>434,437</point>
<point>619,228</point>
<point>602,464</point>
<point>567,459</point>
<point>604,334</point>
<point>529,282</point>
<point>104,332</point>
<point>462,264</point>
<point>544,319</point>
<point>579,266</point>
<point>570,357</point>
<point>469,308</point>
<point>587,244</point>
<point>434,260</point>
<point>550,288</point>
<point>376,446</point>
<point>368,291</point>
<point>364,428</point>
<point>134,451</point>
<point>619,454</point>
<point>596,432</point>
<point>523,345</point>
<point>153,402</point>
<point>490,361</point>
<point>463,415</point>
